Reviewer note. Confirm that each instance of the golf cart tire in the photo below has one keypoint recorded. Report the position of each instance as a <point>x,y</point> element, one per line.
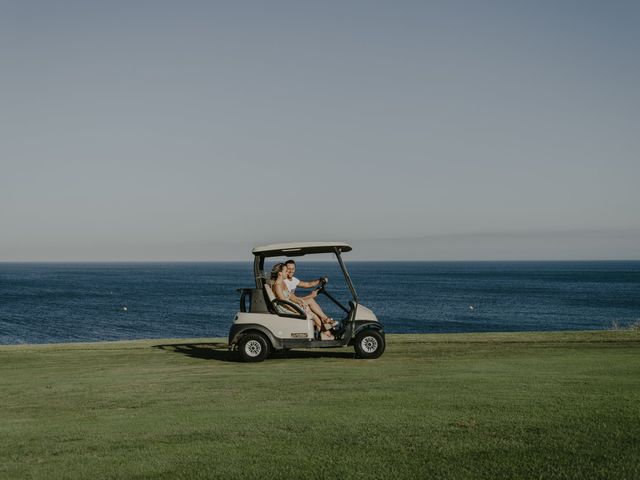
<point>369,344</point>
<point>254,347</point>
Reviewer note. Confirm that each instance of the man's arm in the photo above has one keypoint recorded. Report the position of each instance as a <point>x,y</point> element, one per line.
<point>313,283</point>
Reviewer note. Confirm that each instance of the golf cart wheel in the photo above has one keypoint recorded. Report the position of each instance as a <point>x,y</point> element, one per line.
<point>253,347</point>
<point>369,344</point>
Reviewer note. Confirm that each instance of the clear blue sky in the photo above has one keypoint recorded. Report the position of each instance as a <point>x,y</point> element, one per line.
<point>193,130</point>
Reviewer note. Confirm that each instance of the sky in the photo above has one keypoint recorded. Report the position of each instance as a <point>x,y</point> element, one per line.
<point>195,130</point>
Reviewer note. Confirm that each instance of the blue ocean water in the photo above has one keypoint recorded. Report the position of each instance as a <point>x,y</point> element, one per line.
<point>52,302</point>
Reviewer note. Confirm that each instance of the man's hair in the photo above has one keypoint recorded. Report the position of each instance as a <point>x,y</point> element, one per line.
<point>289,262</point>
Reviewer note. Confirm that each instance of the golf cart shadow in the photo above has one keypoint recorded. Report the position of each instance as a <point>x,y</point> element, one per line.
<point>220,352</point>
<point>324,353</point>
<point>204,351</point>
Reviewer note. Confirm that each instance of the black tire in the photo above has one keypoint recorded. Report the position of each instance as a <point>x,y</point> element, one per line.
<point>369,344</point>
<point>254,347</point>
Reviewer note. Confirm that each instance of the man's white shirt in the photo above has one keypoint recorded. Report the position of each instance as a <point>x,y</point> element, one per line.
<point>291,284</point>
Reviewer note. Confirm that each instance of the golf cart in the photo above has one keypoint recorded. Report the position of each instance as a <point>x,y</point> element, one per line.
<point>262,325</point>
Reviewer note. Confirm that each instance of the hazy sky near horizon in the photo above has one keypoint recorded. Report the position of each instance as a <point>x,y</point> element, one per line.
<point>194,130</point>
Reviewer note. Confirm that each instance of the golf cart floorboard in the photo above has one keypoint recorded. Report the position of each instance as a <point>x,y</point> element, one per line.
<point>313,344</point>
<point>326,343</point>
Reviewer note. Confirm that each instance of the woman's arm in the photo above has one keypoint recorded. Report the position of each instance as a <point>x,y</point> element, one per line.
<point>295,299</point>
<point>278,291</point>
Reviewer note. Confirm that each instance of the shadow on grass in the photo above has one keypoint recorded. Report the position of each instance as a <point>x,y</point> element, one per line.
<point>220,352</point>
<point>203,351</point>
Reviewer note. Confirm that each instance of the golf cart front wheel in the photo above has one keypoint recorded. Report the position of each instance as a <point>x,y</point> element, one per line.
<point>369,344</point>
<point>253,347</point>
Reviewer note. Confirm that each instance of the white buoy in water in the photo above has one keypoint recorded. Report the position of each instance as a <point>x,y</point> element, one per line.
<point>471,307</point>
<point>124,308</point>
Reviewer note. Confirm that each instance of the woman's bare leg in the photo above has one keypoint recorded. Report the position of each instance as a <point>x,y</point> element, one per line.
<point>316,320</point>
<point>315,308</point>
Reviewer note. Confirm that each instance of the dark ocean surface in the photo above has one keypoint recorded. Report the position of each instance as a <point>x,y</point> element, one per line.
<point>78,302</point>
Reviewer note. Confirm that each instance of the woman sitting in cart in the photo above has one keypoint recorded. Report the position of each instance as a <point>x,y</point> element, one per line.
<point>280,290</point>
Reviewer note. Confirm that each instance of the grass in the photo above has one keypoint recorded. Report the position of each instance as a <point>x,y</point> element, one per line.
<point>516,405</point>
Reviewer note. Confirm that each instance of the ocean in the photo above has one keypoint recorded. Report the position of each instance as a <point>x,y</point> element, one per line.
<point>82,302</point>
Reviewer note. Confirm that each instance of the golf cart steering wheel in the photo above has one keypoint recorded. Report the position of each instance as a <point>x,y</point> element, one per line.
<point>322,284</point>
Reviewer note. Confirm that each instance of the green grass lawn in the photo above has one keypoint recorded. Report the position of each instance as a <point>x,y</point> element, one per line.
<point>521,405</point>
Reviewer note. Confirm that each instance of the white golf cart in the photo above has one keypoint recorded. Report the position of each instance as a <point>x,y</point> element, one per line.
<point>260,326</point>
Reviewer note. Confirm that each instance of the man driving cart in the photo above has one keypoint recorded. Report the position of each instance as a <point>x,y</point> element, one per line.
<point>293,282</point>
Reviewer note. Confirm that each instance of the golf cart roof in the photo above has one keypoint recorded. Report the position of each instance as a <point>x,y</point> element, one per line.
<point>299,248</point>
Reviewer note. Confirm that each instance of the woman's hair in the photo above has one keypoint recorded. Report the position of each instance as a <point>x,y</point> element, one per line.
<point>277,268</point>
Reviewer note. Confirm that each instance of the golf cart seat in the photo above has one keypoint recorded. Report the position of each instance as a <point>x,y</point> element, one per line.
<point>269,294</point>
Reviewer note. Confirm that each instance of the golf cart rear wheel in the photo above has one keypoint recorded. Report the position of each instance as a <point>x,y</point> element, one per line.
<point>369,344</point>
<point>253,347</point>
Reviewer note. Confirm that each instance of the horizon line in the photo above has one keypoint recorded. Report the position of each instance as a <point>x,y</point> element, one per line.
<point>326,261</point>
